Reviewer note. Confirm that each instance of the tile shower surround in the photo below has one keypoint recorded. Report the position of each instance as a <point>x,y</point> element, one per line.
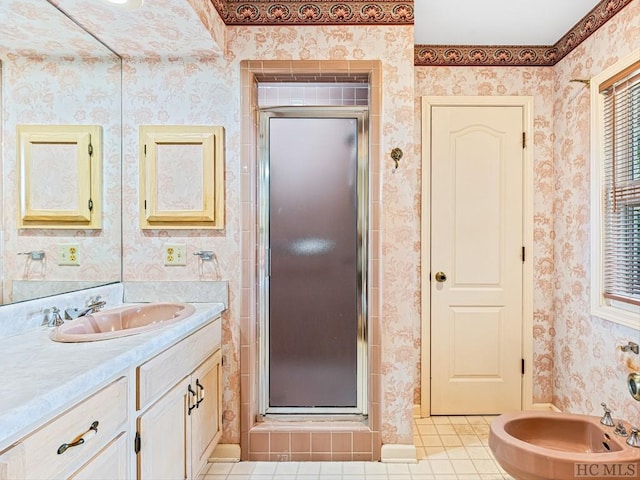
<point>309,440</point>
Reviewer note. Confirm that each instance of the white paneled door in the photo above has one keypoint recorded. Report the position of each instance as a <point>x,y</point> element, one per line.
<point>476,259</point>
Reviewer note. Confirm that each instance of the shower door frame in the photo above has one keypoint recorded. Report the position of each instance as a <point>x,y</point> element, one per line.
<point>361,114</point>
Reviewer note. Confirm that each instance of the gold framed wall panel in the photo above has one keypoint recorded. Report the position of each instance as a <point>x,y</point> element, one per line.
<point>181,177</point>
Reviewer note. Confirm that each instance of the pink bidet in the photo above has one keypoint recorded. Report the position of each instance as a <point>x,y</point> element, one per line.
<point>537,445</point>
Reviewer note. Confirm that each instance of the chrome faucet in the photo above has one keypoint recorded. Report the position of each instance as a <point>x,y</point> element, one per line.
<point>93,306</point>
<point>620,430</point>
<point>633,439</point>
<point>52,317</point>
<point>606,418</point>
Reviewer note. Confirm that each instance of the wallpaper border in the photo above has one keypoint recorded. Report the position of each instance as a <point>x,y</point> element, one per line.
<point>318,12</point>
<point>518,55</point>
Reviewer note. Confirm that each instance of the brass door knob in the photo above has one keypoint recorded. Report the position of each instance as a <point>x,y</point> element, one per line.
<point>441,277</point>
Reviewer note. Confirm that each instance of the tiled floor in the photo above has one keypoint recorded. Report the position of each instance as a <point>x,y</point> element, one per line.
<point>449,448</point>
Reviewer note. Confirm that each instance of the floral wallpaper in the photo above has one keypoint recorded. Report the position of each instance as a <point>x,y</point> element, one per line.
<point>572,350</point>
<point>537,82</point>
<point>27,27</point>
<point>585,347</point>
<point>161,28</point>
<point>188,91</point>
<point>199,83</point>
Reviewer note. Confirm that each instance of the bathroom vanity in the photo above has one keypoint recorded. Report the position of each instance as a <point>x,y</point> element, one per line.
<point>145,406</point>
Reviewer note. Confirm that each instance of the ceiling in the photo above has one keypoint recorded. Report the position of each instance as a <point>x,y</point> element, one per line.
<point>496,22</point>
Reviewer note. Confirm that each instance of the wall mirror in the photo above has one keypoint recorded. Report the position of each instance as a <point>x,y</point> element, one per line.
<point>55,73</point>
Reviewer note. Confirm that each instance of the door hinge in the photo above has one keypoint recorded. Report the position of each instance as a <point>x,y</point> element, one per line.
<point>90,205</point>
<point>136,443</point>
<point>522,365</point>
<point>145,204</point>
<point>90,148</point>
<point>524,139</point>
<point>523,254</point>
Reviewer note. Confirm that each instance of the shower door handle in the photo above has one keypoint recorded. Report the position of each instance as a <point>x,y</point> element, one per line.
<point>268,262</point>
<point>441,277</point>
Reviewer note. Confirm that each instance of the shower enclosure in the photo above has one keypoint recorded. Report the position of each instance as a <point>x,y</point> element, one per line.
<point>313,197</point>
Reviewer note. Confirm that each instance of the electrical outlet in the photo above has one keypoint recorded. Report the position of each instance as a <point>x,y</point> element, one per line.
<point>68,254</point>
<point>175,254</point>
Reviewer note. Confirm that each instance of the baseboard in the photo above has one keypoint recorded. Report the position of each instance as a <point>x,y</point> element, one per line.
<point>399,453</point>
<point>226,453</point>
<point>549,407</point>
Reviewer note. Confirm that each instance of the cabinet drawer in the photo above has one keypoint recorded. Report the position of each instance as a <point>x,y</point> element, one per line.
<point>37,457</point>
<point>111,462</point>
<point>165,370</point>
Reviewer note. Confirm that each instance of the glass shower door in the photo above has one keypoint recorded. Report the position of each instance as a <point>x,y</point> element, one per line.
<point>315,282</point>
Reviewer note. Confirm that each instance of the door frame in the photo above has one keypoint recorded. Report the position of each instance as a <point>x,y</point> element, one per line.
<point>361,114</point>
<point>526,102</point>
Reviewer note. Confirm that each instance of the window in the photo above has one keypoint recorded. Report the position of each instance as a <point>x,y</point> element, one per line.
<point>617,186</point>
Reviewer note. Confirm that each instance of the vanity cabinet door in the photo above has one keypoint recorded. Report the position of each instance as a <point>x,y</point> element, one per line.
<point>179,432</point>
<point>206,425</point>
<point>180,424</point>
<point>163,436</point>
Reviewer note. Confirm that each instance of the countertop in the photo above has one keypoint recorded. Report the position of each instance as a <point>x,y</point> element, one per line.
<point>40,378</point>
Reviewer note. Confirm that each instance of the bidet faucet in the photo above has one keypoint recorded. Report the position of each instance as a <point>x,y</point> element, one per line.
<point>634,440</point>
<point>606,418</point>
<point>620,430</point>
<point>93,306</point>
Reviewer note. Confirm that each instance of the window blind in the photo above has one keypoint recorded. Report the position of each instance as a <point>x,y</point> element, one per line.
<point>621,187</point>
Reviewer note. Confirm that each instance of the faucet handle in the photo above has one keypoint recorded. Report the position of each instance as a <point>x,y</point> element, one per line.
<point>634,440</point>
<point>606,418</point>
<point>94,300</point>
<point>94,304</point>
<point>52,317</point>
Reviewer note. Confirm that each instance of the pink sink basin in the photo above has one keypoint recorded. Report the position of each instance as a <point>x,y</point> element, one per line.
<point>121,321</point>
<point>560,446</point>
